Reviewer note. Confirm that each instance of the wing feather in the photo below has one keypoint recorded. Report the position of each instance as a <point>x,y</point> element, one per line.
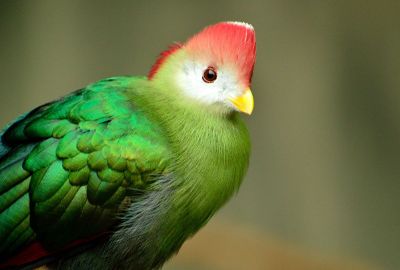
<point>66,167</point>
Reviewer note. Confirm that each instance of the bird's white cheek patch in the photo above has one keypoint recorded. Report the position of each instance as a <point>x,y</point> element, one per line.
<point>191,83</point>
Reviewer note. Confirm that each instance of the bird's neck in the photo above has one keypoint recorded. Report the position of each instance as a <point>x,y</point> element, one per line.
<point>211,152</point>
<point>211,148</point>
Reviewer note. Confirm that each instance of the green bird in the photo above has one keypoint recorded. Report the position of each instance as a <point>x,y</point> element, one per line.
<point>119,174</point>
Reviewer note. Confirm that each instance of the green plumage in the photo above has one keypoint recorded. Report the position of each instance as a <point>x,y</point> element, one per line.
<point>134,159</point>
<point>79,158</point>
<point>82,147</point>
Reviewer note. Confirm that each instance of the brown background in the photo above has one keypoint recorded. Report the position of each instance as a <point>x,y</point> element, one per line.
<point>324,183</point>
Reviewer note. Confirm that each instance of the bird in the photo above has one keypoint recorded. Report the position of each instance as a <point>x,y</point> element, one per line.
<point>118,174</point>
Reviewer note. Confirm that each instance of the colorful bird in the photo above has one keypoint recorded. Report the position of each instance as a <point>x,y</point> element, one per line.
<point>119,174</point>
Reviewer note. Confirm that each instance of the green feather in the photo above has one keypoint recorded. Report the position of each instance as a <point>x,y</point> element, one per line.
<point>19,234</point>
<point>50,210</point>
<point>67,146</point>
<point>14,194</point>
<point>97,161</point>
<point>75,163</point>
<point>41,128</point>
<point>79,178</point>
<point>11,175</point>
<point>84,142</point>
<point>11,217</point>
<point>99,191</point>
<point>45,183</point>
<point>42,155</point>
<point>63,127</point>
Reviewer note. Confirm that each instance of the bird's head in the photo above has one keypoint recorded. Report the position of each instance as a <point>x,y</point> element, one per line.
<point>213,68</point>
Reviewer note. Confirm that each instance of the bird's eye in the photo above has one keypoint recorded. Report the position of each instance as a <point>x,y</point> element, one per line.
<point>209,75</point>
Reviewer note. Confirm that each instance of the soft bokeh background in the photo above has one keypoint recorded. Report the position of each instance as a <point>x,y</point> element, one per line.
<point>323,189</point>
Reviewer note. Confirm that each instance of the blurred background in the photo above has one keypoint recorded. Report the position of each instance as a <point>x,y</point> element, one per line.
<point>323,188</point>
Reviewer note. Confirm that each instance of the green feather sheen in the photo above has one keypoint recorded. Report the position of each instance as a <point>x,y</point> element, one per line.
<point>17,235</point>
<point>52,208</point>
<point>12,175</point>
<point>41,128</point>
<point>51,181</point>
<point>79,178</point>
<point>99,191</point>
<point>63,128</point>
<point>14,194</point>
<point>84,142</point>
<point>13,216</point>
<point>97,161</point>
<point>42,155</point>
<point>75,163</point>
<point>67,146</point>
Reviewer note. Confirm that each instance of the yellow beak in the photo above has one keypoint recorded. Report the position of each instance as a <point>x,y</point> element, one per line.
<point>245,102</point>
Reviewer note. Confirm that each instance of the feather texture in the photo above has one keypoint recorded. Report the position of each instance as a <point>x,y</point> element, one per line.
<point>66,168</point>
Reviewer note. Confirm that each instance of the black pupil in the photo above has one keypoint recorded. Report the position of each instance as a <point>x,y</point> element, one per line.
<point>209,75</point>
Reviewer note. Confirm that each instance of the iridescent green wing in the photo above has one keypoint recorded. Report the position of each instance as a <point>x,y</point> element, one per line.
<point>66,167</point>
